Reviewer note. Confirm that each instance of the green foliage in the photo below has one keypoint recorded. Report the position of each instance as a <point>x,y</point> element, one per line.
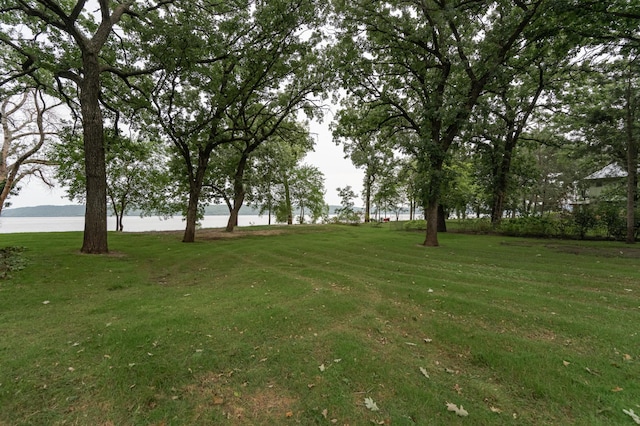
<point>346,213</point>
<point>604,221</point>
<point>234,78</point>
<point>278,183</point>
<point>612,217</point>
<point>530,226</point>
<point>585,219</point>
<point>136,176</point>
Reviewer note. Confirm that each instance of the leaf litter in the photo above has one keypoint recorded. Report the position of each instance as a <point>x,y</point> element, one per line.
<point>460,411</point>
<point>370,404</point>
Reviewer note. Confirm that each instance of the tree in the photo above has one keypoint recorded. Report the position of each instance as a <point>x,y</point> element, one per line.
<point>504,114</point>
<point>241,73</point>
<point>346,212</point>
<point>69,41</point>
<point>425,64</point>
<point>274,169</point>
<point>462,191</point>
<point>307,193</point>
<point>135,172</point>
<point>388,196</point>
<point>28,123</point>
<point>365,145</point>
<point>606,114</point>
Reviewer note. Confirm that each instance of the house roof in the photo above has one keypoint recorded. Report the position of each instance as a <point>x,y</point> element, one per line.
<point>611,171</point>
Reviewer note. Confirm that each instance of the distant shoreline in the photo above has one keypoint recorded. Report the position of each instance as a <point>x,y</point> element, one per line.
<point>77,210</point>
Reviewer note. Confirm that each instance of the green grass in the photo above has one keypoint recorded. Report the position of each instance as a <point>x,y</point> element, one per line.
<point>235,330</point>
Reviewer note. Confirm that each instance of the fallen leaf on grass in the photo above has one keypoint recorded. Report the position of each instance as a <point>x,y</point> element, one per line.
<point>325,413</point>
<point>590,371</point>
<point>617,389</point>
<point>289,414</point>
<point>424,372</point>
<point>633,415</point>
<point>627,357</point>
<point>459,411</point>
<point>495,409</point>
<point>46,302</point>
<point>370,404</point>
<point>427,340</point>
<point>458,389</point>
<point>322,367</point>
<point>565,363</point>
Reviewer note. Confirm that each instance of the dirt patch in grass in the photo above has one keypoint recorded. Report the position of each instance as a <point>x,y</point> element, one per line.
<point>627,252</point>
<point>221,234</point>
<point>239,404</point>
<point>209,234</point>
<point>609,252</point>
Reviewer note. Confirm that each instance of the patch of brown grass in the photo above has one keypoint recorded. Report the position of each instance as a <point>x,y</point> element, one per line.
<point>241,407</point>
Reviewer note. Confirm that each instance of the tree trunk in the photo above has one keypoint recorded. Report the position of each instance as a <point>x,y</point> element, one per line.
<point>287,200</point>
<point>192,214</point>
<point>238,192</point>
<point>442,220</point>
<point>632,169</point>
<point>367,201</point>
<point>432,196</point>
<point>431,213</point>
<point>500,188</point>
<point>95,218</point>
<point>119,224</point>
<point>235,212</point>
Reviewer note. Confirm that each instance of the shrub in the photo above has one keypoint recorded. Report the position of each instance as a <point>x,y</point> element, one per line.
<point>585,220</point>
<point>479,226</point>
<point>611,217</point>
<point>530,226</point>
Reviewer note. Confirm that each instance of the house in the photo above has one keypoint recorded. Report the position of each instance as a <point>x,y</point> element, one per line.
<point>601,184</point>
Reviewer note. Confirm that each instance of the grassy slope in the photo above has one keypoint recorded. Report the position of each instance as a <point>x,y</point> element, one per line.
<point>236,330</point>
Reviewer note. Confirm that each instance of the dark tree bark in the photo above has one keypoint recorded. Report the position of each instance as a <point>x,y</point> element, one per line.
<point>287,200</point>
<point>196,180</point>
<point>632,167</point>
<point>95,218</point>
<point>238,192</point>
<point>442,219</point>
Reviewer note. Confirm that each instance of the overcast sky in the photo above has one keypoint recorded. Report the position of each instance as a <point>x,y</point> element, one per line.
<point>328,157</point>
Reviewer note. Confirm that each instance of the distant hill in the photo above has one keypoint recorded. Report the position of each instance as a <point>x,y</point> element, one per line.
<point>45,211</point>
<point>78,210</point>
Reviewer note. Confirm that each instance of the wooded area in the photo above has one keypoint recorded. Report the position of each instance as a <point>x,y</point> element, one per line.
<point>497,108</point>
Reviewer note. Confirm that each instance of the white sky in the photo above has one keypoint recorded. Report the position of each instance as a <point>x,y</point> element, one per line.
<point>328,157</point>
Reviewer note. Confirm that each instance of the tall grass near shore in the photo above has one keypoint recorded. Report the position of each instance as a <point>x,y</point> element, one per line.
<point>319,325</point>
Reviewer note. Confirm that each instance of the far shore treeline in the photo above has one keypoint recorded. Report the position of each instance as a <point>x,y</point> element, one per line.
<point>73,210</point>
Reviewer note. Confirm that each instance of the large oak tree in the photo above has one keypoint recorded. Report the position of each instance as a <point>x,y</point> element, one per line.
<point>426,63</point>
<point>70,42</point>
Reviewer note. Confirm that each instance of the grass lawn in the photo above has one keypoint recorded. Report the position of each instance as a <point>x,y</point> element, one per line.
<point>302,325</point>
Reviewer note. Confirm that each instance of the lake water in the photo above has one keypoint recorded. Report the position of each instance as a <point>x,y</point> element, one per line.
<point>131,223</point>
